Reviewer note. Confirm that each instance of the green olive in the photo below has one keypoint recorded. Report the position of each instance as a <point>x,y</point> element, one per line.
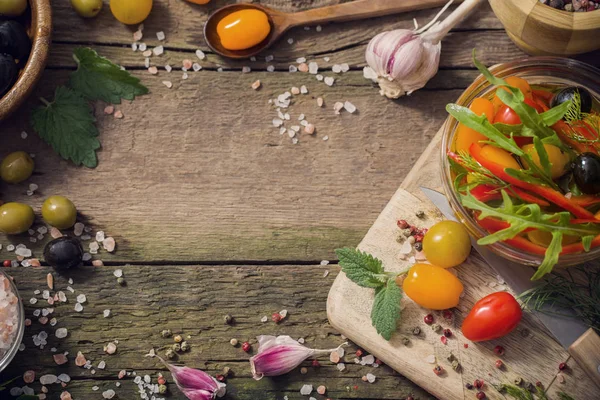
<point>12,8</point>
<point>16,167</point>
<point>15,218</point>
<point>59,212</point>
<point>87,8</point>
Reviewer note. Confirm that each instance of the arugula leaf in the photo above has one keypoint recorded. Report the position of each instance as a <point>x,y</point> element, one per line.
<point>362,268</point>
<point>386,309</point>
<point>526,216</point>
<point>587,242</point>
<point>97,78</point>
<point>555,114</point>
<point>67,124</point>
<point>543,156</point>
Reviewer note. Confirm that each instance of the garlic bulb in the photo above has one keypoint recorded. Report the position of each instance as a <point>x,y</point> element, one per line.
<point>404,60</point>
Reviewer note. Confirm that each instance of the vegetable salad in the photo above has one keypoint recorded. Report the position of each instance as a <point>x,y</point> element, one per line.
<point>526,165</point>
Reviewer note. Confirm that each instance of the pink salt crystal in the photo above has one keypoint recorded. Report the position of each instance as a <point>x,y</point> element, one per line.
<point>55,233</point>
<point>109,244</point>
<point>147,53</point>
<point>50,300</point>
<point>27,322</point>
<point>303,67</point>
<point>111,348</point>
<point>29,376</point>
<point>65,396</point>
<point>60,359</point>
<point>64,385</point>
<point>187,64</point>
<point>334,357</point>
<point>43,320</point>
<point>310,129</point>
<point>153,70</point>
<point>137,36</point>
<point>97,263</point>
<point>109,109</point>
<point>34,262</point>
<point>256,85</point>
<point>44,389</point>
<point>80,359</point>
<point>122,374</point>
<point>118,115</point>
<point>50,281</point>
<point>321,389</point>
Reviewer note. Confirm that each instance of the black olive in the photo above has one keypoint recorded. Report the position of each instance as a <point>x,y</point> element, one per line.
<point>14,40</point>
<point>8,73</point>
<point>567,93</point>
<point>64,253</point>
<point>586,173</point>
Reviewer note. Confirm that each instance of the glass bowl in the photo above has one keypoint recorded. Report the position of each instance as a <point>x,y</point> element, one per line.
<point>536,70</point>
<point>14,348</point>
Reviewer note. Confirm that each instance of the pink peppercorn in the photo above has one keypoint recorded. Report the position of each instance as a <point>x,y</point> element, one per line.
<point>499,364</point>
<point>428,319</point>
<point>359,353</point>
<point>480,395</point>
<point>499,350</point>
<point>402,224</point>
<point>418,237</point>
<point>448,314</point>
<point>220,377</point>
<point>444,339</point>
<point>466,345</point>
<point>562,366</point>
<point>478,383</point>
<point>246,347</point>
<point>276,317</point>
<point>447,332</point>
<point>315,363</point>
<point>6,263</point>
<point>438,370</point>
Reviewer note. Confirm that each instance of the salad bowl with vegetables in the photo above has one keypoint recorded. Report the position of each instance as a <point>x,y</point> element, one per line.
<point>521,163</point>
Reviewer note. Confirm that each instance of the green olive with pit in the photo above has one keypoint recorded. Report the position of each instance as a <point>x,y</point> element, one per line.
<point>15,218</point>
<point>87,8</point>
<point>16,167</point>
<point>59,212</point>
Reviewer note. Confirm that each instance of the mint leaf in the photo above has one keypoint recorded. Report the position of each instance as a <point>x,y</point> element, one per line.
<point>386,309</point>
<point>97,78</point>
<point>362,268</point>
<point>67,124</point>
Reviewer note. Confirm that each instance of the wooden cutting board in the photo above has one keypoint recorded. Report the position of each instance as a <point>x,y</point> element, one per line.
<point>531,352</point>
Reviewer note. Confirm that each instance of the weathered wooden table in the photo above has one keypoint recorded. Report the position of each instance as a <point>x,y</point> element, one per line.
<point>215,212</point>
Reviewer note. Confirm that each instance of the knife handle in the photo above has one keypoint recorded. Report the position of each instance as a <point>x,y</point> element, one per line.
<point>586,351</point>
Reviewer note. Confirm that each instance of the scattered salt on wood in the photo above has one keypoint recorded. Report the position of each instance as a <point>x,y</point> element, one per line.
<point>158,50</point>
<point>303,89</point>
<point>351,108</point>
<point>108,110</point>
<point>295,90</point>
<point>48,379</point>
<point>137,36</point>
<point>147,53</point>
<point>310,129</point>
<point>329,80</point>
<point>320,101</point>
<point>246,69</point>
<point>153,70</point>
<point>306,390</point>
<point>168,84</point>
<point>313,68</point>
<point>200,54</point>
<point>303,67</point>
<point>160,35</point>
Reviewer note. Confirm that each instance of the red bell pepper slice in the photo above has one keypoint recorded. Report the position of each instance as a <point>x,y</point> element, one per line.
<point>527,197</point>
<point>564,132</point>
<point>544,95</point>
<point>542,191</point>
<point>485,193</point>
<point>585,200</point>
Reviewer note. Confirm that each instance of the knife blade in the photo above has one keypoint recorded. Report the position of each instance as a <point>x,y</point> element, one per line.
<point>566,328</point>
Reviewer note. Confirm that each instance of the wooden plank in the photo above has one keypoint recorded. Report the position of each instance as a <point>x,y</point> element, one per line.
<point>183,24</point>
<point>532,353</point>
<point>189,172</point>
<point>192,300</point>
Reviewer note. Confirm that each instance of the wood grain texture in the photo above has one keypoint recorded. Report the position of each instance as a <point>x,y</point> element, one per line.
<point>586,351</point>
<point>189,172</point>
<point>531,352</point>
<point>193,300</point>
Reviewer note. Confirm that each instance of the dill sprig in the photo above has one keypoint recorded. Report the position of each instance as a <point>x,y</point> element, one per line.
<point>576,288</point>
<point>577,120</point>
<point>574,111</point>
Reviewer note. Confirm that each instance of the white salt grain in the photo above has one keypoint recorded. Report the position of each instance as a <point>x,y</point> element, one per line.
<point>81,298</point>
<point>325,138</point>
<point>319,77</point>
<point>23,135</point>
<point>341,367</point>
<point>290,40</point>
<point>196,67</point>
<point>160,35</point>
<point>303,89</point>
<point>300,60</point>
<point>336,69</point>
<point>168,68</point>
<point>293,68</point>
<point>313,68</point>
<point>345,67</point>
<point>371,378</point>
<point>108,394</point>
<point>319,28</point>
<point>78,307</point>
<point>351,108</point>
<point>48,379</point>
<point>277,122</point>
<point>78,229</point>
<point>200,54</point>
<point>329,80</point>
<point>168,84</point>
<point>269,58</point>
<point>430,359</point>
<point>142,47</point>
<point>102,364</point>
<point>246,69</point>
<point>270,68</point>
<point>306,390</point>
<point>158,50</point>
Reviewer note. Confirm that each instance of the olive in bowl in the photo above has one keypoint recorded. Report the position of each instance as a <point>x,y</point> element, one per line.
<point>586,173</point>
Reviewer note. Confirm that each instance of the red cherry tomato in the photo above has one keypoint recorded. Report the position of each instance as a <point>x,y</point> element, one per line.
<point>492,317</point>
<point>506,115</point>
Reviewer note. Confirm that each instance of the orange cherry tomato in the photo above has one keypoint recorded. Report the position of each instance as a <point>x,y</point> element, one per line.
<point>499,156</point>
<point>243,29</point>
<point>465,136</point>
<point>432,287</point>
<point>517,82</point>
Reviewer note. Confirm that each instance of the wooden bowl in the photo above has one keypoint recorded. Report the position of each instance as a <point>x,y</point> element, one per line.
<point>539,29</point>
<point>40,32</point>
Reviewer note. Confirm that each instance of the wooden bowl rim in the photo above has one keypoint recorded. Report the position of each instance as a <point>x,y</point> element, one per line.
<point>41,11</point>
<point>569,18</point>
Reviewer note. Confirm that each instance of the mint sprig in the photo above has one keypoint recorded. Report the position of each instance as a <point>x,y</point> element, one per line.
<point>367,271</point>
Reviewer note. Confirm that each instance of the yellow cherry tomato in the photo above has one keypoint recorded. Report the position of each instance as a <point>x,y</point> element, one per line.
<point>447,244</point>
<point>513,81</point>
<point>499,156</point>
<point>557,158</point>
<point>131,12</point>
<point>543,238</point>
<point>243,29</point>
<point>466,136</point>
<point>432,287</point>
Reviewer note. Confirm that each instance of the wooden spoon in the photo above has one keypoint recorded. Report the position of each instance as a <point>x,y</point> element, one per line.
<point>280,22</point>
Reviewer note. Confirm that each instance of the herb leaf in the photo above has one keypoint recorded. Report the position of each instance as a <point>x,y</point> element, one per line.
<point>67,124</point>
<point>362,268</point>
<point>97,78</point>
<point>386,309</point>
